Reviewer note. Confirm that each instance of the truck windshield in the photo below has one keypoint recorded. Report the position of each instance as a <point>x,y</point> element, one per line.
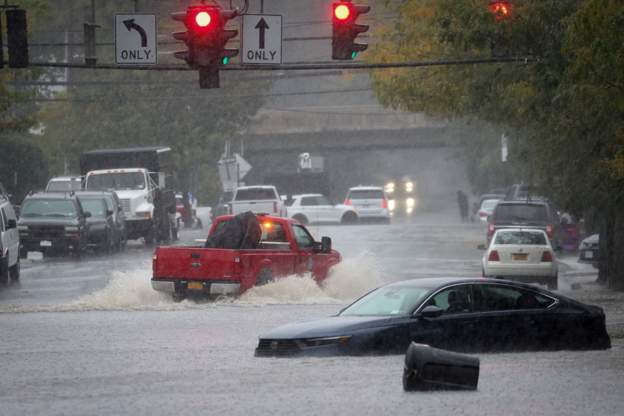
<point>116,181</point>
<point>49,208</point>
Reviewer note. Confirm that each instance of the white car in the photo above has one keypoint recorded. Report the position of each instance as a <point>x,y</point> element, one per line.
<point>316,208</point>
<point>522,254</point>
<point>64,184</point>
<point>487,208</point>
<point>370,202</point>
<point>9,241</point>
<point>259,199</point>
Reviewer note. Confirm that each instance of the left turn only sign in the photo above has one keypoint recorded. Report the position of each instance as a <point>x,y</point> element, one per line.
<point>135,39</point>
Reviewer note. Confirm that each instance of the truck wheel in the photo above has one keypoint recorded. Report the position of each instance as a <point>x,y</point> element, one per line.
<point>265,277</point>
<point>349,218</point>
<point>4,271</point>
<point>15,271</point>
<point>301,218</point>
<point>178,297</point>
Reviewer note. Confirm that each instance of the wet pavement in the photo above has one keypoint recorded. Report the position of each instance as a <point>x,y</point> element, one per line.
<point>92,337</point>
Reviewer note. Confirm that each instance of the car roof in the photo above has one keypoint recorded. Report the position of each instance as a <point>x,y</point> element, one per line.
<point>256,186</point>
<point>260,217</point>
<point>527,229</point>
<point>433,283</point>
<point>523,202</point>
<point>366,188</point>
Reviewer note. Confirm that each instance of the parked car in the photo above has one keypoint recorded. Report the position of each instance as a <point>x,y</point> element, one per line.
<point>486,208</point>
<point>64,184</point>
<point>589,251</point>
<point>523,255</point>
<point>104,233</point>
<point>317,208</point>
<point>284,248</point>
<point>459,314</point>
<point>52,222</point>
<point>525,214</point>
<point>259,199</point>
<point>370,202</point>
<point>9,241</point>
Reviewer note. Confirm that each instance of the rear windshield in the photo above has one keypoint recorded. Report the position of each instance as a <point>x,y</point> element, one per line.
<point>520,237</point>
<point>489,204</point>
<point>49,208</point>
<point>252,194</point>
<point>366,194</point>
<point>63,186</point>
<point>521,214</point>
<point>96,207</point>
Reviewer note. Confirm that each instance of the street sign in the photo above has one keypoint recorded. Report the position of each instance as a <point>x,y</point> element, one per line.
<point>261,39</point>
<point>232,170</point>
<point>135,39</point>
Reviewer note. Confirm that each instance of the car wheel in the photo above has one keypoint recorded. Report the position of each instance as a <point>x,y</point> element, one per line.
<point>4,271</point>
<point>14,271</point>
<point>301,218</point>
<point>264,277</point>
<point>178,296</point>
<point>349,218</point>
<point>553,283</point>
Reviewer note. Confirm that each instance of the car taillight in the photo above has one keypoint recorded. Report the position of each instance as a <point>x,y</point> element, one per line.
<point>490,229</point>
<point>275,207</point>
<point>549,231</point>
<point>493,256</point>
<point>547,257</point>
<point>347,202</point>
<point>483,214</point>
<point>384,203</point>
<point>154,259</point>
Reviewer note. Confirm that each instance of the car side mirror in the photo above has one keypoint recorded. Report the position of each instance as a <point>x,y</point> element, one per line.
<point>431,311</point>
<point>326,245</point>
<point>11,224</point>
<point>87,214</point>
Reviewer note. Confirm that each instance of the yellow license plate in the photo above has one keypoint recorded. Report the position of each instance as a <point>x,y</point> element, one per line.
<point>520,257</point>
<point>195,285</point>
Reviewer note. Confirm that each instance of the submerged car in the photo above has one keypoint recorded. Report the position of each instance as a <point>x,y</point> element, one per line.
<point>459,314</point>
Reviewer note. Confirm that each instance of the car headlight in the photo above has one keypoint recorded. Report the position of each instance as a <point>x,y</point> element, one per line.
<point>389,188</point>
<point>410,202</point>
<point>409,187</point>
<point>391,204</point>
<point>319,342</point>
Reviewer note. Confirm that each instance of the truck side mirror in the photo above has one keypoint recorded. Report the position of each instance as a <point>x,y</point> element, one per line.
<point>326,245</point>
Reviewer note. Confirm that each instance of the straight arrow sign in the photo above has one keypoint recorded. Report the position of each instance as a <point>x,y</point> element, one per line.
<point>262,27</point>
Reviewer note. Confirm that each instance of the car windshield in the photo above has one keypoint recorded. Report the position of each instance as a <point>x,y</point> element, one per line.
<point>489,204</point>
<point>49,208</point>
<point>252,194</point>
<point>521,238</point>
<point>95,206</point>
<point>64,186</point>
<point>366,194</point>
<point>387,301</point>
<point>521,213</point>
<point>116,181</point>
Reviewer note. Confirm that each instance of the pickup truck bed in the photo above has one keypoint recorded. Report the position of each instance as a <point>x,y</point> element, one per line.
<point>212,271</point>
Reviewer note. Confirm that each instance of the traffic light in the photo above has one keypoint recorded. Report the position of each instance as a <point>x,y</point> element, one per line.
<point>17,38</point>
<point>206,37</point>
<point>346,29</point>
<point>501,9</point>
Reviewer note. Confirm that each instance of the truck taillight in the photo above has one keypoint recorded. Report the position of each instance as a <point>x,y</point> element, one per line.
<point>493,256</point>
<point>549,231</point>
<point>348,202</point>
<point>547,257</point>
<point>384,203</point>
<point>154,260</point>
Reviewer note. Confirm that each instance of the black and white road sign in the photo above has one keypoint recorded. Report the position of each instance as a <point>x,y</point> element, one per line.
<point>262,39</point>
<point>135,39</point>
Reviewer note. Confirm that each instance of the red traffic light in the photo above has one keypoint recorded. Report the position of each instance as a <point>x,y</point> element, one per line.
<point>342,11</point>
<point>501,9</point>
<point>203,19</point>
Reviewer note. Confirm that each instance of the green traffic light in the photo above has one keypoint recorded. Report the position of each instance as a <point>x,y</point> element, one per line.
<point>226,60</point>
<point>353,55</point>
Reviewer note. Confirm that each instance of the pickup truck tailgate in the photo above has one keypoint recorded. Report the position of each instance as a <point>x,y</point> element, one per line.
<point>194,263</point>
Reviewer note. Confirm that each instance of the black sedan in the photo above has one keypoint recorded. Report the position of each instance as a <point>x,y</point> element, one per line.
<point>468,315</point>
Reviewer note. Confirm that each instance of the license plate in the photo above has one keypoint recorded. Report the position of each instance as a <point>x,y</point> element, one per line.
<point>589,254</point>
<point>46,243</point>
<point>195,285</point>
<point>519,256</point>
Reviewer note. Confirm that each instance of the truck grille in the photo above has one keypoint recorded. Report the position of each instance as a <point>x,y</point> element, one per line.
<point>48,232</point>
<point>281,347</point>
<point>125,205</point>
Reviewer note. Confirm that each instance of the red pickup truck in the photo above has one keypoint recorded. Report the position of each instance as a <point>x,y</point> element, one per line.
<point>285,248</point>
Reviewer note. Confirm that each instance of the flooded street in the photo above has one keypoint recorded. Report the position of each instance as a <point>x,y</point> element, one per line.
<point>92,337</point>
